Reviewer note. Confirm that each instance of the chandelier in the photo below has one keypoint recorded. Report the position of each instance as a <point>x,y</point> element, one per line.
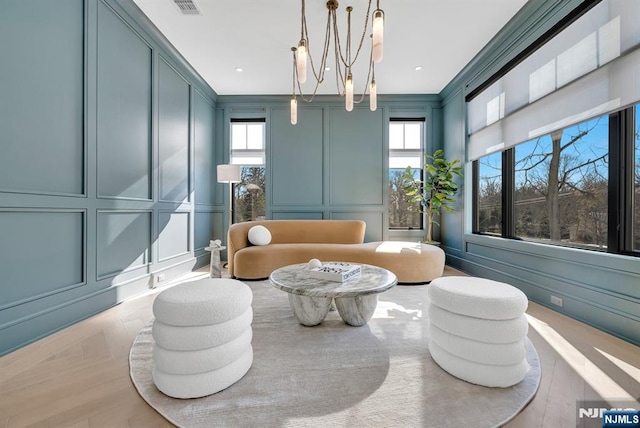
<point>344,59</point>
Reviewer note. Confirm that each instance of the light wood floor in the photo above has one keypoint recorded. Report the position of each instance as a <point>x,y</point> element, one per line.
<point>79,377</point>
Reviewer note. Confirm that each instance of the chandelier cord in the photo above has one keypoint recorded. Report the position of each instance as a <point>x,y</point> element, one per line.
<point>325,50</point>
<point>348,62</point>
<point>372,71</point>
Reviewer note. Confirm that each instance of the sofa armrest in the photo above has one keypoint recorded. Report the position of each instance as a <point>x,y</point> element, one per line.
<point>237,239</point>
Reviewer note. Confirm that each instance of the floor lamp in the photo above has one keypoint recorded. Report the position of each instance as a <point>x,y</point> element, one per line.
<point>228,173</point>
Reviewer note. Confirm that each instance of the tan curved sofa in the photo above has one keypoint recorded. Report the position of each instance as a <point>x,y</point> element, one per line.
<point>298,241</point>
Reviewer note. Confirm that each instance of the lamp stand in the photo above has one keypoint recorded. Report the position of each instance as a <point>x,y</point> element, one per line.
<point>230,204</point>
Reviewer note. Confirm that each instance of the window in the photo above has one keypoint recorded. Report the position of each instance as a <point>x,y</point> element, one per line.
<point>561,186</point>
<point>248,151</point>
<point>489,195</point>
<point>562,123</point>
<point>406,143</point>
<point>636,182</point>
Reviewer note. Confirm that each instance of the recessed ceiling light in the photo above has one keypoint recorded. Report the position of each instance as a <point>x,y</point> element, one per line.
<point>239,69</point>
<point>417,68</point>
<point>327,69</point>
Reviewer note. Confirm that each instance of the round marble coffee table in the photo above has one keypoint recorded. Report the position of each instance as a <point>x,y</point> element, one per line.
<point>310,298</point>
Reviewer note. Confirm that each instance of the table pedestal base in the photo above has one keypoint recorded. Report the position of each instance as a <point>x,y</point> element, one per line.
<point>355,311</point>
<point>309,311</point>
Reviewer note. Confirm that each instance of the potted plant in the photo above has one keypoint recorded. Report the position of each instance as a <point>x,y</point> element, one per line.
<point>438,188</point>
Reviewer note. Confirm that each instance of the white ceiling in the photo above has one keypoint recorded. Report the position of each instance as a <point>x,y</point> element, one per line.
<point>442,36</point>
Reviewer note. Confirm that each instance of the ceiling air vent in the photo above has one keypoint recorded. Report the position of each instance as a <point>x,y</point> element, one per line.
<point>187,7</point>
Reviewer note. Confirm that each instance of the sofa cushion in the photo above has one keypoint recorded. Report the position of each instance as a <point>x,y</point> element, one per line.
<point>259,235</point>
<point>409,261</point>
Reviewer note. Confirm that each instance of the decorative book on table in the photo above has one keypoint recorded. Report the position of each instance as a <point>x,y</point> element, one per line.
<point>336,271</point>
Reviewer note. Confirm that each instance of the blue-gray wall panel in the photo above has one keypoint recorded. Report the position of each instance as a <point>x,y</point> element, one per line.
<point>356,153</point>
<point>452,225</point>
<point>297,215</point>
<point>208,226</point>
<point>42,253</point>
<point>374,220</point>
<point>173,134</point>
<point>124,109</point>
<point>205,165</point>
<point>123,241</point>
<point>41,101</point>
<point>173,237</point>
<point>296,157</point>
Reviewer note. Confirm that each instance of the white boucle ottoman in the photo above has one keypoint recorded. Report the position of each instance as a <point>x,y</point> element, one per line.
<point>204,302</point>
<point>478,330</point>
<point>202,335</point>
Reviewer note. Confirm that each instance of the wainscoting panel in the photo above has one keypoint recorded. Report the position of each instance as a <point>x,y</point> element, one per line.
<point>123,241</point>
<point>452,225</point>
<point>42,253</point>
<point>124,109</point>
<point>173,134</point>
<point>41,101</point>
<point>173,234</point>
<point>296,157</point>
<point>208,226</point>
<point>374,220</point>
<point>205,165</point>
<point>297,215</point>
<point>356,157</point>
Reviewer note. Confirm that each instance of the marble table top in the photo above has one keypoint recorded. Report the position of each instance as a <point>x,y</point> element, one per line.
<point>295,279</point>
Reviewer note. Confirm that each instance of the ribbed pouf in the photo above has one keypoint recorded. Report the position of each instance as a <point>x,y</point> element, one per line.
<point>478,329</point>
<point>202,335</point>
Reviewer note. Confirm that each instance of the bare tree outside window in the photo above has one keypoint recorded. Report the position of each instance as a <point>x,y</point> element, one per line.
<point>490,194</point>
<point>402,212</point>
<point>406,145</point>
<point>249,197</point>
<point>561,186</point>
<point>248,150</point>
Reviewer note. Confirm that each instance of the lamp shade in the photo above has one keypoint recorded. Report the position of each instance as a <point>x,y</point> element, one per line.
<point>228,173</point>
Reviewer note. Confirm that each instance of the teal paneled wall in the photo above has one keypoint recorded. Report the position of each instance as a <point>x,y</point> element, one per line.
<point>123,241</point>
<point>26,233</point>
<point>357,157</point>
<point>333,163</point>
<point>124,109</point>
<point>41,82</point>
<point>173,134</point>
<point>99,122</point>
<point>173,239</point>
<point>600,289</point>
<point>296,151</point>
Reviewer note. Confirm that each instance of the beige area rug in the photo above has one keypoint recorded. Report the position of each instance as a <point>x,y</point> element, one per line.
<point>334,375</point>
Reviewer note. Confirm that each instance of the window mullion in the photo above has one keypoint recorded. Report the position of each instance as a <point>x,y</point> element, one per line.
<point>508,191</point>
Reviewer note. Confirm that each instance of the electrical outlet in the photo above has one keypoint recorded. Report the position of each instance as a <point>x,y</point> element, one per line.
<point>556,301</point>
<point>159,277</point>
